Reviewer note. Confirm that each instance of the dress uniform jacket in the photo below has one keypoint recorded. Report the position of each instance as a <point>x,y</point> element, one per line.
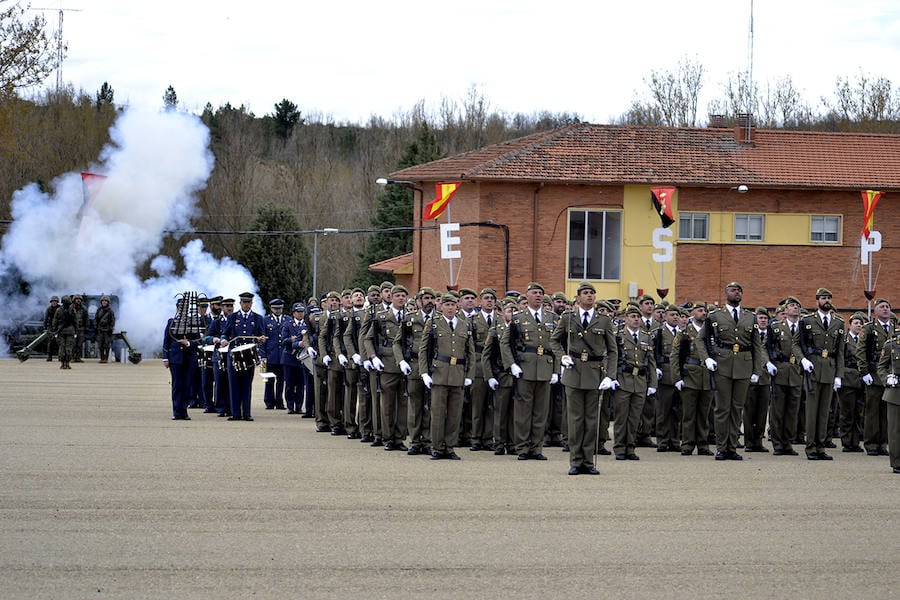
<point>687,356</point>
<point>889,363</point>
<point>593,350</point>
<point>785,354</point>
<point>491,360</point>
<point>447,355</point>
<point>270,350</point>
<point>824,348</point>
<point>379,339</point>
<point>736,347</point>
<point>527,343</point>
<point>636,363</point>
<point>872,338</point>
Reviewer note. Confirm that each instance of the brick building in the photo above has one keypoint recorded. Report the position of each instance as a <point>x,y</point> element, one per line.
<point>780,211</point>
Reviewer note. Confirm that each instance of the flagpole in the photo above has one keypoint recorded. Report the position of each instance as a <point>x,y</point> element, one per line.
<point>452,283</point>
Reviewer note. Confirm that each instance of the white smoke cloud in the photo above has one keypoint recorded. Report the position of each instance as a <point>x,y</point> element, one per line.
<point>154,165</point>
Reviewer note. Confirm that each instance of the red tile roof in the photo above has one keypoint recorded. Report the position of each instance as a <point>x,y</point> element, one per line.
<point>623,154</point>
<point>393,264</point>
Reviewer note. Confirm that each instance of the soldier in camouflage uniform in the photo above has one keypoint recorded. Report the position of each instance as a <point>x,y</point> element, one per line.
<point>105,323</point>
<point>81,326</point>
<point>64,331</point>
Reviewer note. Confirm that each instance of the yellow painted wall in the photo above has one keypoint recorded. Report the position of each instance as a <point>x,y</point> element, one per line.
<point>783,229</point>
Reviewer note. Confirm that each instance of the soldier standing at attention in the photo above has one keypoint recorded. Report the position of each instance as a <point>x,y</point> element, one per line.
<point>822,344</point>
<point>756,407</point>
<point>81,326</point>
<point>649,324</point>
<point>888,368</point>
<point>242,327</point>
<point>852,396</point>
<point>270,352</point>
<point>668,402</point>
<point>872,339</point>
<point>785,355</point>
<point>586,342</point>
<point>447,365</point>
<point>334,373</point>
<point>179,355</point>
<point>48,327</point>
<point>355,301</point>
<point>406,352</point>
<point>64,331</point>
<point>379,343</point>
<point>501,382</point>
<point>222,394</point>
<point>694,381</point>
<point>105,322</point>
<point>482,413</point>
<point>636,379</point>
<point>738,357</point>
<point>294,340</point>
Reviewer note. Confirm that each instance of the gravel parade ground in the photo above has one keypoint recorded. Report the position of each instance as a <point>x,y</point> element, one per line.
<point>103,496</point>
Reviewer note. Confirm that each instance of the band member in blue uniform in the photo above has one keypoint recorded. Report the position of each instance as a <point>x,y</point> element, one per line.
<point>222,392</point>
<point>242,327</point>
<point>179,354</point>
<point>202,384</point>
<point>294,339</point>
<point>270,352</point>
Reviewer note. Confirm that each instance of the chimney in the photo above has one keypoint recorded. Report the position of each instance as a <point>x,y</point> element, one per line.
<point>743,131</point>
<point>718,121</point>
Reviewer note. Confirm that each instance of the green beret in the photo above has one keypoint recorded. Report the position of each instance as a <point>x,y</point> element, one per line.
<point>489,292</point>
<point>448,298</point>
<point>346,292</point>
<point>880,300</point>
<point>791,300</point>
<point>399,288</point>
<point>427,290</point>
<point>614,301</point>
<point>54,298</point>
<point>672,308</point>
<point>659,307</point>
<point>560,296</point>
<point>860,316</point>
<point>333,294</point>
<point>762,310</point>
<point>646,297</point>
<point>373,288</point>
<point>534,286</point>
<point>467,292</point>
<point>586,285</point>
<point>734,284</point>
<point>823,292</point>
<point>632,310</point>
<point>355,290</point>
<point>699,304</point>
<point>386,285</point>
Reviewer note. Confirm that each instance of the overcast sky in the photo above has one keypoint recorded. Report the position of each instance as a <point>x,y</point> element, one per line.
<point>351,60</point>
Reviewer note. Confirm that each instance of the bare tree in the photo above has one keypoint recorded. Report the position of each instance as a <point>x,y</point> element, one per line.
<point>27,51</point>
<point>673,97</point>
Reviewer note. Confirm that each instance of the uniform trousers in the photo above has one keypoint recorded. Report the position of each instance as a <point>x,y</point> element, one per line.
<point>783,422</point>
<point>482,413</point>
<point>504,425</point>
<point>852,402</point>
<point>893,419</point>
<point>274,392</point>
<point>294,387</point>
<point>181,374</point>
<point>530,415</point>
<point>694,420</point>
<point>240,384</point>
<point>365,385</point>
<point>418,419</point>
<point>875,422</point>
<point>394,407</point>
<point>321,374</point>
<point>628,408</point>
<point>817,404</point>
<point>222,389</point>
<point>582,416</point>
<point>668,411</point>
<point>730,397</point>
<point>335,401</point>
<point>446,414</point>
<point>756,410</point>
<point>351,389</point>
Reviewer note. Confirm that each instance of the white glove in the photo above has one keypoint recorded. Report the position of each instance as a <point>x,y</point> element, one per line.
<point>868,379</point>
<point>837,383</point>
<point>405,368</point>
<point>651,391</point>
<point>554,378</point>
<point>566,361</point>
<point>606,383</point>
<point>313,353</point>
<point>343,360</point>
<point>493,383</point>
<point>377,364</point>
<point>711,364</point>
<point>357,359</point>
<point>327,360</point>
<point>516,370</point>
<point>426,379</point>
<point>772,369</point>
<point>754,378</point>
<point>679,385</point>
<point>615,384</point>
<point>891,380</point>
<point>367,365</point>
<point>807,364</point>
<point>659,373</point>
<point>467,382</point>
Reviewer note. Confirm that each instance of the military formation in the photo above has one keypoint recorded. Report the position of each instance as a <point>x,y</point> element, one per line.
<point>67,324</point>
<point>428,373</point>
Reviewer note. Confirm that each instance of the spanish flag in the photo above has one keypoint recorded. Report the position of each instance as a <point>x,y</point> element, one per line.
<point>443,192</point>
<point>662,203</point>
<point>870,199</point>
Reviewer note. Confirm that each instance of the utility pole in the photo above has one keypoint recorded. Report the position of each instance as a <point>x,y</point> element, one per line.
<point>59,39</point>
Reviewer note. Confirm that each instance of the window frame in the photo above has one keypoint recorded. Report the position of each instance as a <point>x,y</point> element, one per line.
<point>585,239</point>
<point>749,217</point>
<point>693,216</point>
<point>825,219</point>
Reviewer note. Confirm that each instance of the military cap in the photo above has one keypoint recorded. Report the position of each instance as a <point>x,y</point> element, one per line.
<point>77,297</point>
<point>880,300</point>
<point>386,285</point>
<point>448,297</point>
<point>699,304</point>
<point>427,290</point>
<point>275,302</point>
<point>313,310</point>
<point>215,300</point>
<point>399,288</point>
<point>791,300</point>
<point>489,292</point>
<point>312,300</point>
<point>54,298</point>
<point>346,292</point>
<point>332,294</point>
<point>356,289</point>
<point>466,292</point>
<point>734,284</point>
<point>632,310</point>
<point>66,298</point>
<point>659,307</point>
<point>560,296</point>
<point>545,300</point>
<point>534,285</point>
<point>822,292</point>
<point>762,310</point>
<point>585,285</point>
<point>245,296</point>
<point>859,315</point>
<point>673,308</point>
<point>201,301</point>
<point>373,288</point>
<point>604,305</point>
<point>646,297</point>
<point>298,307</point>
<point>614,301</point>
<point>227,302</point>
<point>508,303</point>
<point>683,312</point>
<point>513,293</point>
<point>688,305</point>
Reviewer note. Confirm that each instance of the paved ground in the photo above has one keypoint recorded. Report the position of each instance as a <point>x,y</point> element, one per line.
<point>102,496</point>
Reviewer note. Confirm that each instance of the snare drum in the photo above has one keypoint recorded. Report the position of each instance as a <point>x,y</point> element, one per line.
<point>245,357</point>
<point>206,356</point>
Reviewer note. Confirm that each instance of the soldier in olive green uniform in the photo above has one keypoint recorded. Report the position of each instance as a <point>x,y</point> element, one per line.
<point>888,369</point>
<point>105,321</point>
<point>785,354</point>
<point>586,342</point>
<point>447,365</point>
<point>822,343</point>
<point>329,321</point>
<point>352,370</point>
<point>668,404</point>
<point>379,342</point>
<point>525,347</point>
<point>81,327</point>
<point>482,413</point>
<point>52,346</point>
<point>64,331</point>
<point>852,396</point>
<point>738,357</point>
<point>872,339</point>
<point>636,379</point>
<point>695,381</point>
<point>501,381</point>
<point>406,353</point>
<point>756,407</point>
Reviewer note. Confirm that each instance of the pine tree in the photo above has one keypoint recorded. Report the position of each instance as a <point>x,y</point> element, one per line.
<point>279,263</point>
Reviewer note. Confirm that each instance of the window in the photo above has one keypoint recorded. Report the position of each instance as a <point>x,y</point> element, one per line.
<point>825,230</point>
<point>595,244</point>
<point>693,226</point>
<point>749,228</point>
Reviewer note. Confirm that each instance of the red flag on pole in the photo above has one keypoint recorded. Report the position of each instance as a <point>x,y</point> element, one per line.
<point>662,203</point>
<point>443,192</point>
<point>870,199</point>
<point>92,184</point>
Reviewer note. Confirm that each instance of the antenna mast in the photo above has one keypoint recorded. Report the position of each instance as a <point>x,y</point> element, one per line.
<point>750,74</point>
<point>59,39</point>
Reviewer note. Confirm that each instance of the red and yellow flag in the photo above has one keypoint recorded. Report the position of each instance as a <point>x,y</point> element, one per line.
<point>443,192</point>
<point>870,199</point>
